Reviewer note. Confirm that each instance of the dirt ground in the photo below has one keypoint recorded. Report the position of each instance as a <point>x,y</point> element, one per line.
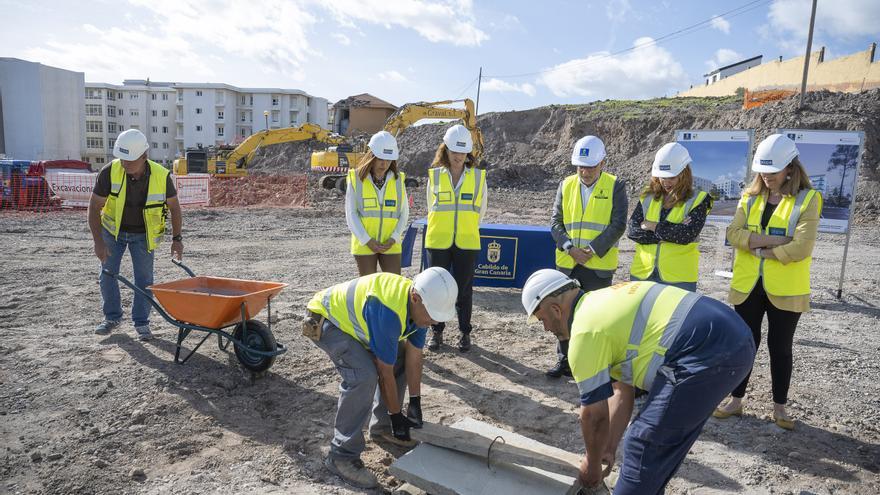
<point>81,413</point>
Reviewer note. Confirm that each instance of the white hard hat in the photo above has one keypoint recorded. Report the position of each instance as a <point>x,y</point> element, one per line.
<point>774,154</point>
<point>384,146</point>
<point>439,292</point>
<point>670,160</point>
<point>130,145</point>
<point>588,151</point>
<point>541,284</point>
<point>458,139</point>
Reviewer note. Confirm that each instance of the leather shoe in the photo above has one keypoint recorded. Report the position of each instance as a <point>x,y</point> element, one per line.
<point>464,342</point>
<point>561,369</point>
<point>436,341</point>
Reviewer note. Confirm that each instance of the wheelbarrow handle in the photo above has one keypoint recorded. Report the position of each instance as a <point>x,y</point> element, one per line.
<point>128,284</point>
<point>184,267</point>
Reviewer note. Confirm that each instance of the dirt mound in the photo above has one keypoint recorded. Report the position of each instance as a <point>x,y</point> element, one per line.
<point>256,190</point>
<point>531,148</point>
<point>285,158</point>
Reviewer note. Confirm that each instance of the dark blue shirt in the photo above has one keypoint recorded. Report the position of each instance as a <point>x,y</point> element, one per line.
<point>384,326</point>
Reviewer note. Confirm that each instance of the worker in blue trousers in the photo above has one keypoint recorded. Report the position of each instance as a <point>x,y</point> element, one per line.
<point>686,351</point>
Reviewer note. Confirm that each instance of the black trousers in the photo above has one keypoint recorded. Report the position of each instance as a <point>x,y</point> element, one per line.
<point>781,325</point>
<point>589,280</point>
<point>461,263</point>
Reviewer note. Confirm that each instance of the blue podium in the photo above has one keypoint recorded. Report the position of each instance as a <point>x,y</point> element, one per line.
<point>509,253</point>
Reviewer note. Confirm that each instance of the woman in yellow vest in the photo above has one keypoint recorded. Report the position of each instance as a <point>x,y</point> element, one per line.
<point>666,223</point>
<point>773,231</point>
<point>376,207</point>
<point>457,197</point>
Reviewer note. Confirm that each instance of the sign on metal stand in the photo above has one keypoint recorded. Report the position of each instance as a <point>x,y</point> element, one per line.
<point>721,159</point>
<point>832,159</point>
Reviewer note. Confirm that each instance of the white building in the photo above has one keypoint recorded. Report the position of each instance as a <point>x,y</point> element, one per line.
<point>728,189</point>
<point>177,116</point>
<point>818,182</point>
<point>111,109</point>
<point>41,111</point>
<point>729,70</point>
<point>702,184</point>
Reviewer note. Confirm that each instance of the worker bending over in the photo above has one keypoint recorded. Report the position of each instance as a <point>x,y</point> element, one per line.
<point>373,328</point>
<point>685,350</point>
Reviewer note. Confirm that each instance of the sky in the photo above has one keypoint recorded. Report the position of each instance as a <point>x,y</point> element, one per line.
<point>532,53</point>
<point>719,160</point>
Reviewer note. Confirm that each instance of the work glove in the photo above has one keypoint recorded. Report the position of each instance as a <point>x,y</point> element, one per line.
<point>400,426</point>
<point>414,411</point>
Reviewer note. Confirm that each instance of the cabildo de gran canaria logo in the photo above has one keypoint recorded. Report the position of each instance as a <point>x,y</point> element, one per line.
<point>493,254</point>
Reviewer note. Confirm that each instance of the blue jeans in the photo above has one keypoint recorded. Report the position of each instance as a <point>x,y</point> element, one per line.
<point>142,264</point>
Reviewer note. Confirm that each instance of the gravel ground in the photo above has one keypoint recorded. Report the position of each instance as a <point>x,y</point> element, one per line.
<point>83,413</point>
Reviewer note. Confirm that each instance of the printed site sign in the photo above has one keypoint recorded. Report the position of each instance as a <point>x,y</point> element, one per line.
<point>831,159</point>
<point>75,188</point>
<point>721,160</point>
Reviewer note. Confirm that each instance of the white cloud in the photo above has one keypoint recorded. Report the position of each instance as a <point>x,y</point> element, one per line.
<point>392,76</point>
<point>499,86</point>
<point>112,54</point>
<point>448,21</point>
<point>271,32</point>
<point>721,24</point>
<point>840,19</point>
<point>163,37</point>
<point>617,10</point>
<point>723,56</point>
<point>645,72</point>
<point>342,39</point>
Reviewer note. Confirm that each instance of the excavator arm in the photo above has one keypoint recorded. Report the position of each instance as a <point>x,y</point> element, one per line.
<point>244,152</point>
<point>411,113</point>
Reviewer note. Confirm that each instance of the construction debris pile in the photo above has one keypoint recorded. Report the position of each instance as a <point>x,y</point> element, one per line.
<point>260,190</point>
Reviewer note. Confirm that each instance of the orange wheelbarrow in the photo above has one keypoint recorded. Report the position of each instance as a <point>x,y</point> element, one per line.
<point>213,305</point>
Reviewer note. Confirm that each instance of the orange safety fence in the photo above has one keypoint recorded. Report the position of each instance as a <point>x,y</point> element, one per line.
<point>754,99</point>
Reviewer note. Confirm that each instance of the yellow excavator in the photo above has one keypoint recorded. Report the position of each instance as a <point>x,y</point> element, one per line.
<point>335,163</point>
<point>232,161</point>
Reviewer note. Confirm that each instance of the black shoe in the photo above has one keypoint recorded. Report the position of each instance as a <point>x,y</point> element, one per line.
<point>436,341</point>
<point>464,342</point>
<point>560,369</point>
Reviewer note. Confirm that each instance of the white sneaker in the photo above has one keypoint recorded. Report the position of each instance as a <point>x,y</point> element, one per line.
<point>143,332</point>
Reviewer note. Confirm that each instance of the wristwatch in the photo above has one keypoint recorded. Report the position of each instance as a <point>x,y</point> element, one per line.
<point>177,238</point>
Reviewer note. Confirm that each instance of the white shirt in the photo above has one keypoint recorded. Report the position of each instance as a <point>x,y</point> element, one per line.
<point>353,219</point>
<point>444,170</point>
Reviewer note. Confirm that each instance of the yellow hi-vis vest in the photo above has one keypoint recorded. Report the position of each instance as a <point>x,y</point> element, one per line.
<point>379,217</point>
<point>155,209</point>
<point>582,226</point>
<point>454,217</point>
<point>675,262</point>
<point>792,279</point>
<point>623,332</point>
<point>343,304</point>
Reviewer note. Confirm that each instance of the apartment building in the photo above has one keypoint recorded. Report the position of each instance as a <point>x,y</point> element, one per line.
<point>177,116</point>
<point>41,111</point>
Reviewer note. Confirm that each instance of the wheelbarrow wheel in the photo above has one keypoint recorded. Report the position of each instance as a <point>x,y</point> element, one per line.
<point>258,338</point>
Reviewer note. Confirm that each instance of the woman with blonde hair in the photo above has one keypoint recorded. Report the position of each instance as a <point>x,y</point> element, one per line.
<point>667,222</point>
<point>376,207</point>
<point>457,197</point>
<point>773,231</point>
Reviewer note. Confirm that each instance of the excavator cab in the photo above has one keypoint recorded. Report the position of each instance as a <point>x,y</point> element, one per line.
<point>196,161</point>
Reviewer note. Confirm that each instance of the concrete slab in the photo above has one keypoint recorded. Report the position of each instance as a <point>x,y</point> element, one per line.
<point>442,471</point>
